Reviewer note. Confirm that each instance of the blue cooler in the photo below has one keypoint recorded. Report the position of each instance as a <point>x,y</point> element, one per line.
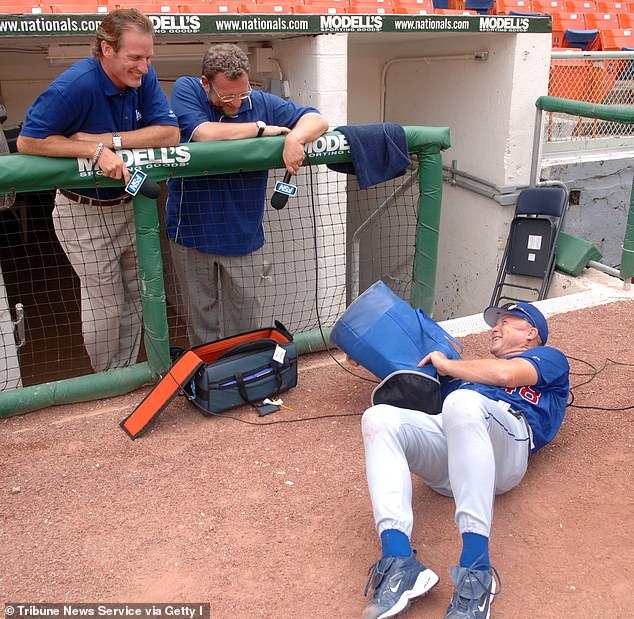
<point>388,337</point>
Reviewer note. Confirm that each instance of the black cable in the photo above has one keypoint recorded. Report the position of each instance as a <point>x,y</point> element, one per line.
<point>593,375</point>
<point>321,330</point>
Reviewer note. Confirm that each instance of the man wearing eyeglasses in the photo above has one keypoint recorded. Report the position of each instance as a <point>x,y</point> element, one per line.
<point>505,409</point>
<point>214,223</point>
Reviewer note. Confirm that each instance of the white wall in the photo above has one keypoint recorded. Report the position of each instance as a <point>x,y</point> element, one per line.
<point>489,107</point>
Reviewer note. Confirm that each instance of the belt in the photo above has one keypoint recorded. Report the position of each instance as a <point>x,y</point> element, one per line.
<point>76,197</point>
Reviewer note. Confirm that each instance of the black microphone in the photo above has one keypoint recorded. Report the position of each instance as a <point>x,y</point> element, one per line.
<point>150,189</point>
<point>140,183</point>
<point>283,190</point>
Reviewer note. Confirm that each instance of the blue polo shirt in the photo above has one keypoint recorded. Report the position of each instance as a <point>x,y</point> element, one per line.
<point>222,214</point>
<point>544,403</point>
<point>83,98</point>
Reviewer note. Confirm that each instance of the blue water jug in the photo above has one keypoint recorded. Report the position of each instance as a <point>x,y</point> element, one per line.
<point>385,335</point>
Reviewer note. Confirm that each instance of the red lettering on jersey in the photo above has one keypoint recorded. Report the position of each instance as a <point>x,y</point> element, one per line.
<point>526,393</point>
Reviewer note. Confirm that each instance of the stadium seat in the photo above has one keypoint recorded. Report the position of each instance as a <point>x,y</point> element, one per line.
<point>580,39</point>
<point>481,6</point>
<point>415,5</point>
<point>208,7</point>
<point>613,6</point>
<point>317,8</point>
<point>441,4</point>
<point>626,20</point>
<point>602,20</point>
<point>549,6</point>
<point>504,7</point>
<point>412,10</point>
<point>617,38</point>
<point>454,12</point>
<point>84,8</point>
<point>563,22</point>
<point>271,7</point>
<point>10,7</point>
<point>580,6</point>
<point>371,7</point>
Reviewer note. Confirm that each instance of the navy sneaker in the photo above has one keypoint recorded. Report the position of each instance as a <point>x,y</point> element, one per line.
<point>396,581</point>
<point>474,592</point>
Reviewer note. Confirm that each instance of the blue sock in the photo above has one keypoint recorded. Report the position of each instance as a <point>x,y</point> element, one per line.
<point>395,543</point>
<point>475,550</point>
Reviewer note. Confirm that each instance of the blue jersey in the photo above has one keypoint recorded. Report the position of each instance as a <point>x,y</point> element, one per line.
<point>83,98</point>
<point>544,403</point>
<point>222,214</point>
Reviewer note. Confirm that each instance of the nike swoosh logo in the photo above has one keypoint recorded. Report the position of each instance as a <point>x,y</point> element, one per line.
<point>484,605</point>
<point>394,589</point>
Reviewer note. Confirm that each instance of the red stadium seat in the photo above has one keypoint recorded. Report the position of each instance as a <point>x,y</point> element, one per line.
<point>320,8</point>
<point>617,38</point>
<point>548,6</point>
<point>84,8</point>
<point>269,7</point>
<point>414,6</point>
<point>580,6</point>
<point>371,7</point>
<point>613,6</point>
<point>454,12</point>
<point>602,20</point>
<point>626,20</point>
<point>208,7</point>
<point>10,7</point>
<point>504,7</point>
<point>411,9</point>
<point>566,21</point>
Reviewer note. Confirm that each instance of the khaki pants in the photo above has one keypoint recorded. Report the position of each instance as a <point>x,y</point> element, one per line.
<point>100,243</point>
<point>215,289</point>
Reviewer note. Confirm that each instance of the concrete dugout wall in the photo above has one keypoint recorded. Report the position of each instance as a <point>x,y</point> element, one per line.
<point>490,109</point>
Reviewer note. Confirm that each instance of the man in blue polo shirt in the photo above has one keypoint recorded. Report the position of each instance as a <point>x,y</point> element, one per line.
<point>215,222</point>
<point>99,105</point>
<point>505,409</point>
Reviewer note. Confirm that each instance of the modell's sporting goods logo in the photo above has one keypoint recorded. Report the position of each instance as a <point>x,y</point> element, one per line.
<point>164,157</point>
<point>501,23</point>
<point>328,145</point>
<point>350,23</point>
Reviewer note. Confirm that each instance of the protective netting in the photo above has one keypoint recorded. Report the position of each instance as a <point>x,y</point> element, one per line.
<point>52,328</point>
<point>605,81</point>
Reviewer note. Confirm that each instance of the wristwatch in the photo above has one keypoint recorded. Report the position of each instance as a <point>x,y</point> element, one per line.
<point>116,140</point>
<point>261,125</point>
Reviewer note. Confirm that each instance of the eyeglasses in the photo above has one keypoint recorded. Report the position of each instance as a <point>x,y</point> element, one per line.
<point>517,308</point>
<point>229,98</point>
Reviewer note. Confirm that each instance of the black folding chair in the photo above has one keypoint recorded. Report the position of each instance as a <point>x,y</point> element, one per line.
<point>530,254</point>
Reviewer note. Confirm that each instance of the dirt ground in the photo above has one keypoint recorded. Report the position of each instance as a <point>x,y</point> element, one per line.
<point>267,519</point>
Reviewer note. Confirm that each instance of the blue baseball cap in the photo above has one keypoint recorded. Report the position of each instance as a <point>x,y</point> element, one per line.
<point>527,311</point>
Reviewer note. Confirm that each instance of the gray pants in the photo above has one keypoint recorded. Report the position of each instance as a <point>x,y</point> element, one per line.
<point>472,451</point>
<point>100,243</point>
<point>221,294</point>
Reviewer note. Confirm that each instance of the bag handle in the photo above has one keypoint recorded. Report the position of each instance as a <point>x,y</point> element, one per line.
<point>252,346</point>
<point>242,390</point>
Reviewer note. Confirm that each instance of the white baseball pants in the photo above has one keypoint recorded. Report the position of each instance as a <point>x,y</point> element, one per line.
<point>474,449</point>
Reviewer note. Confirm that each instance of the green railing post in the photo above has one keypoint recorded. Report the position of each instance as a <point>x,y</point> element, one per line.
<point>156,329</point>
<point>427,228</point>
